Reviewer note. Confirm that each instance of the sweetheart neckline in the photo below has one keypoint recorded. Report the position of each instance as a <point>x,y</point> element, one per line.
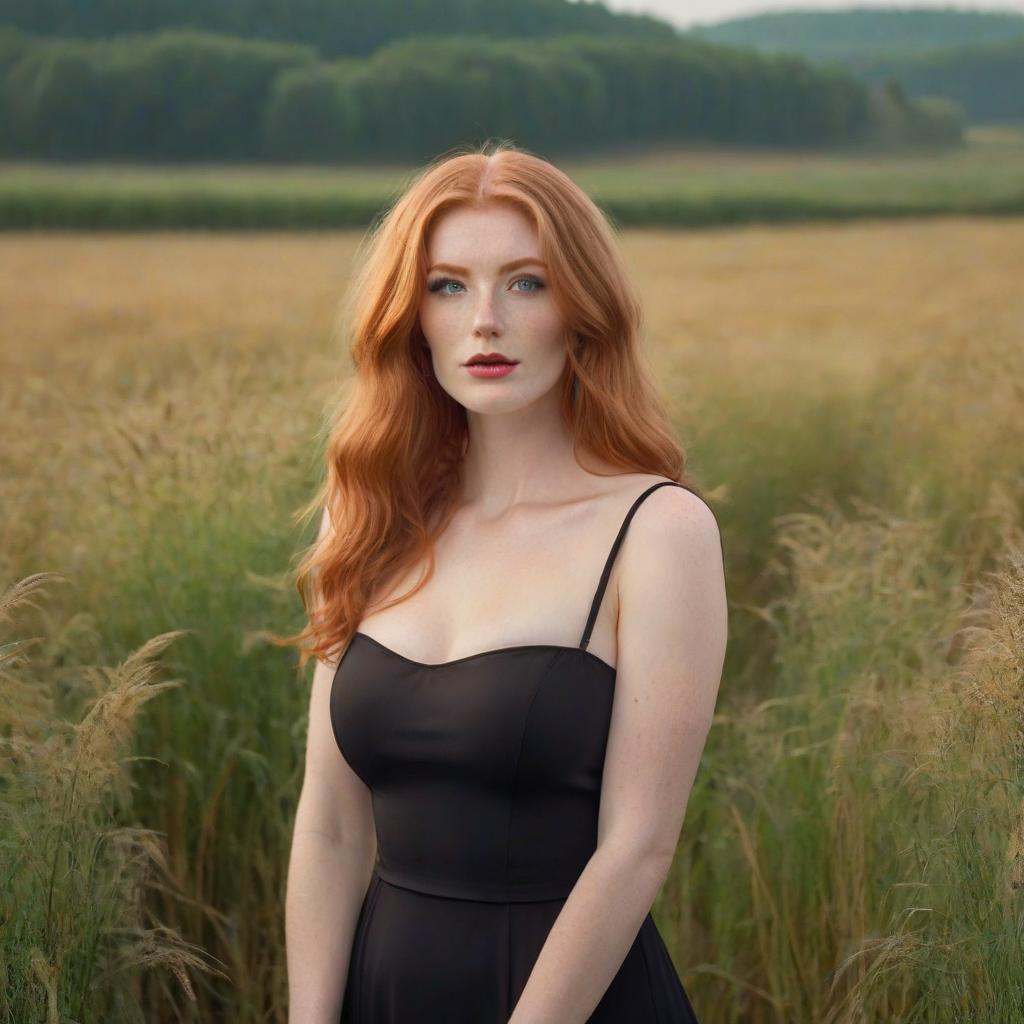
<point>483,654</point>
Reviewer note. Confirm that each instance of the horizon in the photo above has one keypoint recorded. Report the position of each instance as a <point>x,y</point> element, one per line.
<point>707,12</point>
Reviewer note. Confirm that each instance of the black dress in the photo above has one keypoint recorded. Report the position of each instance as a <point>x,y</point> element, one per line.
<point>485,775</point>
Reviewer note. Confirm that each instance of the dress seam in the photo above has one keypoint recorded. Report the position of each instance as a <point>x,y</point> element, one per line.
<point>337,734</point>
<point>513,793</point>
<point>358,954</point>
<point>496,900</point>
<point>519,757</point>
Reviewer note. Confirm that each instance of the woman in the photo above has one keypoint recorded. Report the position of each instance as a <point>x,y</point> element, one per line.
<point>499,762</point>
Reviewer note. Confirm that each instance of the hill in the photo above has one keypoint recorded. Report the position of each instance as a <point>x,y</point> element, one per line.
<point>972,58</point>
<point>863,33</point>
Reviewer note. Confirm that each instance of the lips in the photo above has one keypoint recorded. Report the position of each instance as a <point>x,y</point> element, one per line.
<point>490,358</point>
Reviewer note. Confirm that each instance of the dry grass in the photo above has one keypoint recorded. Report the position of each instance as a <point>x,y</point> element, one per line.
<point>75,916</point>
<point>854,396</point>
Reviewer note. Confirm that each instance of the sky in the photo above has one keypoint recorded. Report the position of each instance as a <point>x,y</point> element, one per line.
<point>690,12</point>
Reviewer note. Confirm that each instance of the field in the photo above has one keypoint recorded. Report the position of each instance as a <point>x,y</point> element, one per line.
<point>688,187</point>
<point>851,395</point>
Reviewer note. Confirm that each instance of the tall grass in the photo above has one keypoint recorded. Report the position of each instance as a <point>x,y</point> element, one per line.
<point>868,823</point>
<point>853,846</point>
<point>867,786</point>
<point>77,931</point>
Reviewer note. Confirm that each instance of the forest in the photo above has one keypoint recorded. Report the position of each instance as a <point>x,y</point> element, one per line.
<point>186,94</point>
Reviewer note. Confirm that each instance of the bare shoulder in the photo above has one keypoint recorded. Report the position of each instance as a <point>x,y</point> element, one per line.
<point>672,513</point>
<point>673,533</point>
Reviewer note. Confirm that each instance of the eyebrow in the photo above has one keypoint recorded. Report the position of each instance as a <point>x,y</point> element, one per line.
<point>452,269</point>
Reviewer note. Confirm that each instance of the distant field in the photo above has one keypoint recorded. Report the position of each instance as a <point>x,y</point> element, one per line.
<point>658,188</point>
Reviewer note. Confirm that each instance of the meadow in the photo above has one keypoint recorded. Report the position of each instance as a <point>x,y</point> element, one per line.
<point>851,396</point>
<point>698,186</point>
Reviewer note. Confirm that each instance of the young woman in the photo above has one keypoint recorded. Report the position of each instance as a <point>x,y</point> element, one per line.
<point>518,612</point>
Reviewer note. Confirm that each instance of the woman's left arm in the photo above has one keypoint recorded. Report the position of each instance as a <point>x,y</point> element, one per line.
<point>672,632</point>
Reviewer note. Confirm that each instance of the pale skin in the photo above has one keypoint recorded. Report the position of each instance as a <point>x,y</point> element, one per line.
<point>518,564</point>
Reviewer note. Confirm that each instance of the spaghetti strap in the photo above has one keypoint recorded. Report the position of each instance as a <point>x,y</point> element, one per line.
<point>599,594</point>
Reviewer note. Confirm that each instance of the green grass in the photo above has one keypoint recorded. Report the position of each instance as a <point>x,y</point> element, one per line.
<point>675,188</point>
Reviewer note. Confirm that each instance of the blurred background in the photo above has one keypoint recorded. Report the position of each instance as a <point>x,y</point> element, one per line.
<point>821,208</point>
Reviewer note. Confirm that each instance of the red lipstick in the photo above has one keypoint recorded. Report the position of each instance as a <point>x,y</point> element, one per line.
<point>490,364</point>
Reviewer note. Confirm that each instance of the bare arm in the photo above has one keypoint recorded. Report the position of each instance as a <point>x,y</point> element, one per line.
<point>332,856</point>
<point>672,629</point>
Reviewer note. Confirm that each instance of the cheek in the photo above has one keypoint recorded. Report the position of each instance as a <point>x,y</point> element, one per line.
<point>547,320</point>
<point>542,324</point>
<point>435,321</point>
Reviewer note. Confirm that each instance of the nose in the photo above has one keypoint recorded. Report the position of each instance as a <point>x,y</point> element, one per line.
<point>485,319</point>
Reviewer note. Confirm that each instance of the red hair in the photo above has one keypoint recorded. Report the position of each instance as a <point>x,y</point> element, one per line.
<point>397,438</point>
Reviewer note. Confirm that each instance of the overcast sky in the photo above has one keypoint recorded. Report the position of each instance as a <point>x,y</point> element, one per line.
<point>689,12</point>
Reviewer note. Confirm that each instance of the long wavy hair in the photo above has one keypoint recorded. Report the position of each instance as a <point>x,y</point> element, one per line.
<point>396,440</point>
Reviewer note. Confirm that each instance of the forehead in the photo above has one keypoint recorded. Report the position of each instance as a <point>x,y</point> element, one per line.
<point>497,231</point>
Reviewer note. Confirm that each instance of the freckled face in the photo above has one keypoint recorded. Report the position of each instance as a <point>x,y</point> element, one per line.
<point>487,291</point>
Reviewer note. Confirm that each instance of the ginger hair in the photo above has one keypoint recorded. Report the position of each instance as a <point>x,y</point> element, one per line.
<point>396,439</point>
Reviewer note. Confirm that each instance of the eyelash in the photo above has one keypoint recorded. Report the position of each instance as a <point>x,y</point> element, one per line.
<point>439,283</point>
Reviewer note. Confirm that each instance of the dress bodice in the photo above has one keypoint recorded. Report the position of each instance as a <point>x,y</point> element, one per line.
<point>485,772</point>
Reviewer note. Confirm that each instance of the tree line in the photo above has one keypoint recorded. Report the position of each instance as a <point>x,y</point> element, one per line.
<point>334,27</point>
<point>183,94</point>
<point>986,79</point>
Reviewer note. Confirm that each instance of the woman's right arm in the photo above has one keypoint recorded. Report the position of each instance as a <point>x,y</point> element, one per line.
<point>332,857</point>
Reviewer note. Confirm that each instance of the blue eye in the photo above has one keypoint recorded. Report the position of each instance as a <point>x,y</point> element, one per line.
<point>533,281</point>
<point>439,284</point>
